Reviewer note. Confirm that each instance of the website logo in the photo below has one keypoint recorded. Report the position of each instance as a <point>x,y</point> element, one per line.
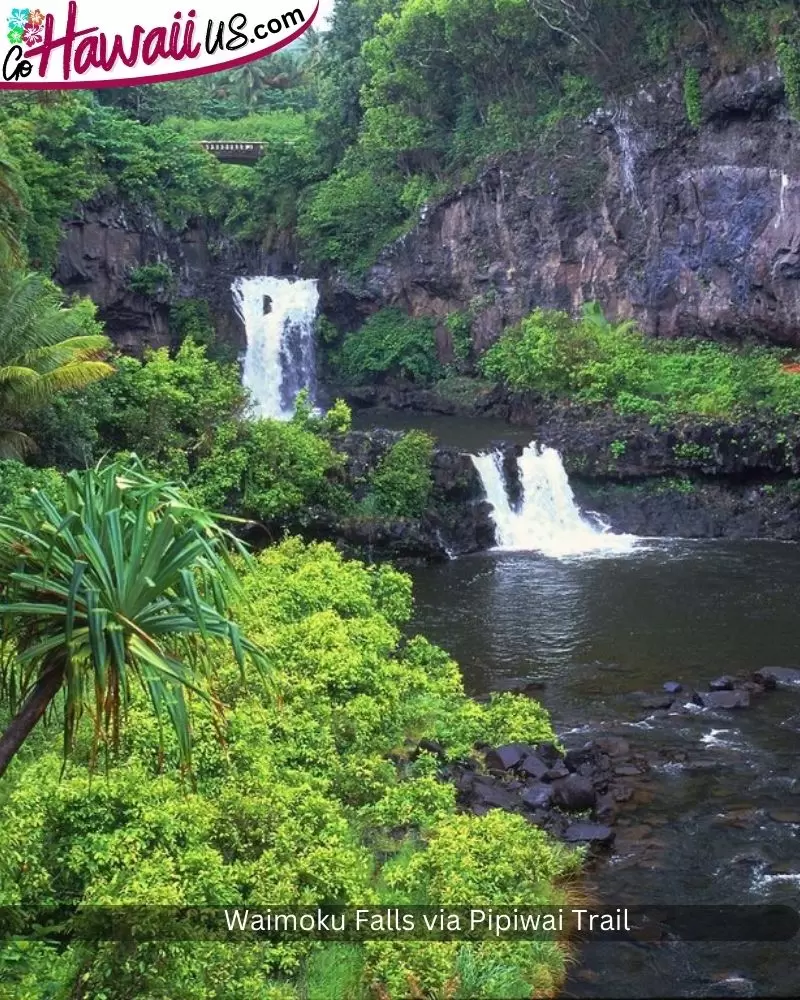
<point>84,43</point>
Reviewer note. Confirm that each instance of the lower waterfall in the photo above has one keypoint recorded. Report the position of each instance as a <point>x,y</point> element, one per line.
<point>547,519</point>
<point>278,315</point>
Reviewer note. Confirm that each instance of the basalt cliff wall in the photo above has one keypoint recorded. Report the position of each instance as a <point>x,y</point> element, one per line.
<point>106,240</point>
<point>688,230</point>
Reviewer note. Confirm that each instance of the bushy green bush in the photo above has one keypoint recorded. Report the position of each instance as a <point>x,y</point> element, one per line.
<point>402,482</point>
<point>269,471</point>
<point>17,481</point>
<point>390,343</point>
<point>298,804</point>
<point>348,217</point>
<point>152,280</point>
<point>166,409</point>
<point>594,361</point>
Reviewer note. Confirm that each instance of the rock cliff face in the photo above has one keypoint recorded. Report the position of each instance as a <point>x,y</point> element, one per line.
<point>690,231</point>
<point>104,243</point>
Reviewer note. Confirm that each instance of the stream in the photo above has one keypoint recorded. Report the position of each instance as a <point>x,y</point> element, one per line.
<point>599,619</point>
<point>596,630</point>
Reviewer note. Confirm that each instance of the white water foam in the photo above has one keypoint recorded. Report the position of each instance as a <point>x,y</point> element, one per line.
<point>278,315</point>
<point>548,519</point>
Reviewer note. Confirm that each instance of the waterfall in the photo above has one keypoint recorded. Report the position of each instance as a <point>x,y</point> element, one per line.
<point>548,519</point>
<point>782,209</point>
<point>278,315</point>
<point>628,153</point>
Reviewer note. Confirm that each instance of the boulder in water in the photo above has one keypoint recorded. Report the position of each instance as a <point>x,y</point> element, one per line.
<point>574,794</point>
<point>519,685</point>
<point>558,771</point>
<point>534,767</point>
<point>506,757</point>
<point>549,753</point>
<point>657,702</point>
<point>606,809</point>
<point>774,677</point>
<point>724,699</point>
<point>784,816</point>
<point>488,794</point>
<point>673,687</point>
<point>722,684</point>
<point>589,833</point>
<point>538,796</point>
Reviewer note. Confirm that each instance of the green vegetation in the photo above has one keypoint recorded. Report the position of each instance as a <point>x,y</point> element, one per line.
<point>297,803</point>
<point>110,585</point>
<point>690,452</point>
<point>46,348</point>
<point>269,471</point>
<point>390,343</point>
<point>594,361</point>
<point>152,280</point>
<point>18,481</point>
<point>618,448</point>
<point>693,97</point>
<point>402,482</point>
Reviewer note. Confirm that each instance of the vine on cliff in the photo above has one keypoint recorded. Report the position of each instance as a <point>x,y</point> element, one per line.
<point>788,52</point>
<point>693,97</point>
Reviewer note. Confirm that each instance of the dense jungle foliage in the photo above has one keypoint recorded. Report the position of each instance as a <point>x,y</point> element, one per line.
<point>397,102</point>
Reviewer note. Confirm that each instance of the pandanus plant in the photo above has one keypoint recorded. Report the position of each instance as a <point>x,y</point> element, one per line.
<point>121,583</point>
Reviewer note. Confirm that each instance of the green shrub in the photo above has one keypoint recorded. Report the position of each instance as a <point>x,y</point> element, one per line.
<point>594,361</point>
<point>402,482</point>
<point>152,280</point>
<point>460,326</point>
<point>17,481</point>
<point>268,470</point>
<point>166,409</point>
<point>390,343</point>
<point>690,452</point>
<point>190,319</point>
<point>788,51</point>
<point>347,215</point>
<point>337,420</point>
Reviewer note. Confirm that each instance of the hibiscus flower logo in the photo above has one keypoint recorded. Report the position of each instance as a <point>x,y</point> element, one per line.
<point>19,18</point>
<point>25,25</point>
<point>32,35</point>
<point>16,24</point>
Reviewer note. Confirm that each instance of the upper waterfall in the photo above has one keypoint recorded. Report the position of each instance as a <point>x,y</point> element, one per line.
<point>278,315</point>
<point>548,519</point>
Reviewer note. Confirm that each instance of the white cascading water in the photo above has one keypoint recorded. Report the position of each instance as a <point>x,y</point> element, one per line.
<point>548,519</point>
<point>278,315</point>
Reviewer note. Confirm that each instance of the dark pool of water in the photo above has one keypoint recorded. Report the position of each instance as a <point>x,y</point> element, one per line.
<point>597,630</point>
<point>470,435</point>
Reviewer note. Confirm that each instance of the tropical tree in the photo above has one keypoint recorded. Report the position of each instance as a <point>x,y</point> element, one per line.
<point>311,50</point>
<point>122,583</point>
<point>45,348</point>
<point>12,210</point>
<point>248,83</point>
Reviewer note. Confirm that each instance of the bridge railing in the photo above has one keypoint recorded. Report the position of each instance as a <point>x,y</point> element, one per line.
<point>235,150</point>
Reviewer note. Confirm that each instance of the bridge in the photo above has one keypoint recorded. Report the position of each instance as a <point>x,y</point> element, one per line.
<point>243,153</point>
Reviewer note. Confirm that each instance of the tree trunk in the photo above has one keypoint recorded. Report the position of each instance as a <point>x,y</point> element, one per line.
<point>34,707</point>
